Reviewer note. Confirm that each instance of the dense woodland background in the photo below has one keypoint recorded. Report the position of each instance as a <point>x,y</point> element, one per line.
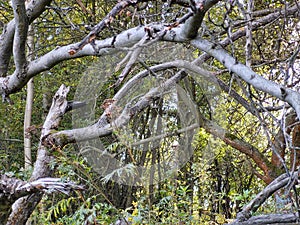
<point>206,91</point>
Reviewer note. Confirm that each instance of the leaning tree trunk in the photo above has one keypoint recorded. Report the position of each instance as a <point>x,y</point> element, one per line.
<point>23,207</point>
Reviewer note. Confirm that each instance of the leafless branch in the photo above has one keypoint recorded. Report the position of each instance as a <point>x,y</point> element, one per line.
<point>12,189</point>
<point>34,9</point>
<point>260,198</point>
<point>248,75</point>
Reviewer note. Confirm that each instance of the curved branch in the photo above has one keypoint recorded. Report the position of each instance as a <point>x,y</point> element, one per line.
<point>121,5</point>
<point>259,158</point>
<point>260,198</point>
<point>99,129</point>
<point>128,38</point>
<point>12,189</point>
<point>34,9</point>
<point>190,29</point>
<point>103,129</point>
<point>248,75</point>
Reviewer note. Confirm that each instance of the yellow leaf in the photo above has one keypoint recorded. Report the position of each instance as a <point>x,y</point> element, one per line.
<point>220,218</point>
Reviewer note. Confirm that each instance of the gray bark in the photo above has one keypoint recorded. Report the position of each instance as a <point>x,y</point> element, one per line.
<point>12,189</point>
<point>23,207</point>
<point>13,40</point>
<point>28,106</point>
<point>33,10</point>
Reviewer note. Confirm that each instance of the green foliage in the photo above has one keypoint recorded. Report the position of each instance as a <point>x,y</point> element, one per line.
<point>69,212</point>
<point>244,198</point>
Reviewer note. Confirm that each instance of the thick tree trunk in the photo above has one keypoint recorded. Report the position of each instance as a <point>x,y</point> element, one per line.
<point>24,206</point>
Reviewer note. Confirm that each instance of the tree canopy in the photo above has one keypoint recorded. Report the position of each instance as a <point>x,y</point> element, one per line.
<point>149,112</point>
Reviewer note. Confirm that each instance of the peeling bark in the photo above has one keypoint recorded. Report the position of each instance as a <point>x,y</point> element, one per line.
<point>12,189</point>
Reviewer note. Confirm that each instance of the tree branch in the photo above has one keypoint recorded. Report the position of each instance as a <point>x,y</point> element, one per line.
<point>12,189</point>
<point>121,5</point>
<point>276,219</point>
<point>260,159</point>
<point>260,198</point>
<point>34,9</point>
<point>192,25</point>
<point>23,207</point>
<point>255,25</point>
<point>128,38</point>
<point>20,37</point>
<point>6,43</point>
<point>13,83</point>
<point>281,92</point>
<point>99,129</point>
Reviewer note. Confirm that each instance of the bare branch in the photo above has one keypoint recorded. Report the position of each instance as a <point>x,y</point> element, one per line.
<point>260,198</point>
<point>6,43</point>
<point>12,189</point>
<point>248,75</point>
<point>132,58</point>
<point>103,129</point>
<point>276,219</point>
<point>49,185</point>
<point>237,97</point>
<point>128,38</point>
<point>255,25</point>
<point>34,9</point>
<point>103,24</point>
<point>249,38</point>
